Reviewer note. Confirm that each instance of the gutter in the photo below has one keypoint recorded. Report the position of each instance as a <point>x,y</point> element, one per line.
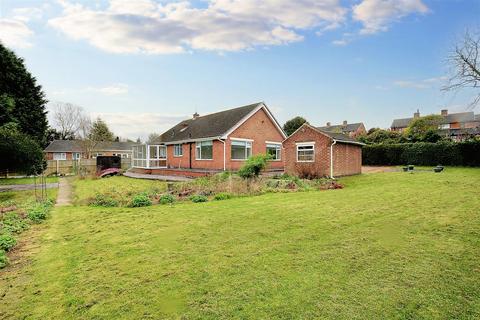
<point>331,158</point>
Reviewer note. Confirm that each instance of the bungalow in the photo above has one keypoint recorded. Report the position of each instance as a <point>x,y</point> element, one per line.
<point>73,149</point>
<point>312,152</point>
<point>220,141</point>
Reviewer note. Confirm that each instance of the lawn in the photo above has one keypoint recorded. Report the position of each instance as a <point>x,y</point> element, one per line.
<point>388,245</point>
<point>9,181</point>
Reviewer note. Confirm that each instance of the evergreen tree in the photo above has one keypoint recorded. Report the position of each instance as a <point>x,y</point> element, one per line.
<point>100,131</point>
<point>22,100</point>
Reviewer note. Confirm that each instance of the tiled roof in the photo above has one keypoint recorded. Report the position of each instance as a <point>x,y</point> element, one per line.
<point>76,146</point>
<point>339,136</point>
<point>450,118</point>
<point>349,127</point>
<point>208,126</point>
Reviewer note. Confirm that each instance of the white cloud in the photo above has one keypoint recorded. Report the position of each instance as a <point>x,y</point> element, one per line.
<point>27,14</point>
<point>15,33</point>
<point>222,25</point>
<point>133,125</point>
<point>420,84</point>
<point>340,42</point>
<point>111,90</point>
<point>376,15</point>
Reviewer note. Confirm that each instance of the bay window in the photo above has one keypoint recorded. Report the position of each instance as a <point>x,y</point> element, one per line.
<point>204,150</point>
<point>241,150</point>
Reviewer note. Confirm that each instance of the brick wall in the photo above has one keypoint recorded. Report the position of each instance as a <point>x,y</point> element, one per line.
<point>347,157</point>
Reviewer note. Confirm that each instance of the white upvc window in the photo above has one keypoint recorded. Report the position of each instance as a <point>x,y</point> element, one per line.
<point>204,150</point>
<point>76,155</point>
<point>59,156</point>
<point>240,149</point>
<point>177,150</point>
<point>306,152</point>
<point>274,150</point>
<point>444,126</point>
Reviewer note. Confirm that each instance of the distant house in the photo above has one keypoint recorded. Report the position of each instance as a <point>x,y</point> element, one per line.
<point>313,152</point>
<point>73,150</point>
<point>456,126</point>
<point>215,142</point>
<point>352,130</point>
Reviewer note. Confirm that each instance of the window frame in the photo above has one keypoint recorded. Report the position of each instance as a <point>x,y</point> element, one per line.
<point>306,144</point>
<point>198,150</point>
<point>76,155</point>
<point>175,146</point>
<point>278,149</point>
<point>62,154</point>
<point>248,145</point>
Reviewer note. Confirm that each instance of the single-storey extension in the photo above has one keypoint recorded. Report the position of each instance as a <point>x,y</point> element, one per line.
<point>220,141</point>
<point>75,150</point>
<point>311,152</point>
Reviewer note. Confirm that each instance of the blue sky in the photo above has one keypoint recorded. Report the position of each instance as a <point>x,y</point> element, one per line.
<point>143,65</point>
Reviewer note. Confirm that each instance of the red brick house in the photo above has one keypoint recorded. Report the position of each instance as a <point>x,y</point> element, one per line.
<point>74,150</point>
<point>220,141</point>
<point>313,152</point>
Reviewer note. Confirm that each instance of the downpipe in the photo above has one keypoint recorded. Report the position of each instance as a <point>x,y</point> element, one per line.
<point>331,159</point>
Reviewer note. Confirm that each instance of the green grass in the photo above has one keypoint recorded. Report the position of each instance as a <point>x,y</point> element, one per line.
<point>388,246</point>
<point>118,187</point>
<point>23,199</point>
<point>10,181</point>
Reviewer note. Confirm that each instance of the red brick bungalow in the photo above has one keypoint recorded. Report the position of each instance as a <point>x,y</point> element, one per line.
<point>212,143</point>
<point>312,152</point>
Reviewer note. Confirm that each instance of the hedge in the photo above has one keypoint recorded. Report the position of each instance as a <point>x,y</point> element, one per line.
<point>423,153</point>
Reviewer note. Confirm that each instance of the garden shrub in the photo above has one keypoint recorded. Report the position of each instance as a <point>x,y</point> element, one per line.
<point>423,153</point>
<point>13,223</point>
<point>39,211</point>
<point>198,198</point>
<point>166,199</point>
<point>7,241</point>
<point>222,196</point>
<point>102,200</point>
<point>3,259</point>
<point>253,166</point>
<point>140,200</point>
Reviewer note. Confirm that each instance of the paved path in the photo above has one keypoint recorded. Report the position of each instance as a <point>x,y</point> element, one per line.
<point>23,187</point>
<point>64,197</point>
<point>155,177</point>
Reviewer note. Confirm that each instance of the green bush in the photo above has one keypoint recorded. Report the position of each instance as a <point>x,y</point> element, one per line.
<point>38,212</point>
<point>102,200</point>
<point>3,259</point>
<point>253,166</point>
<point>222,196</point>
<point>166,199</point>
<point>13,223</point>
<point>423,153</point>
<point>7,241</point>
<point>140,200</point>
<point>198,198</point>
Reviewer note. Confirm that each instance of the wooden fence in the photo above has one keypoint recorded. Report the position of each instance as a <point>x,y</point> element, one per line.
<point>74,167</point>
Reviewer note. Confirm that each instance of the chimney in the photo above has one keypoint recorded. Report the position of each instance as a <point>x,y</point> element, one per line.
<point>344,122</point>
<point>196,115</point>
<point>416,114</point>
<point>328,124</point>
<point>444,112</point>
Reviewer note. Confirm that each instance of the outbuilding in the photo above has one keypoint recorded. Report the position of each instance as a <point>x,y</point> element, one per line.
<point>312,153</point>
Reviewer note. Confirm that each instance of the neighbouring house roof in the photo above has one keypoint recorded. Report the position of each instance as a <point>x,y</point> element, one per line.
<point>339,136</point>
<point>460,117</point>
<point>214,125</point>
<point>349,127</point>
<point>76,146</point>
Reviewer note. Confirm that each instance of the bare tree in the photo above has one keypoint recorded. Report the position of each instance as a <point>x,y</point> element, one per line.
<point>153,138</point>
<point>67,119</point>
<point>465,64</point>
<point>83,132</point>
